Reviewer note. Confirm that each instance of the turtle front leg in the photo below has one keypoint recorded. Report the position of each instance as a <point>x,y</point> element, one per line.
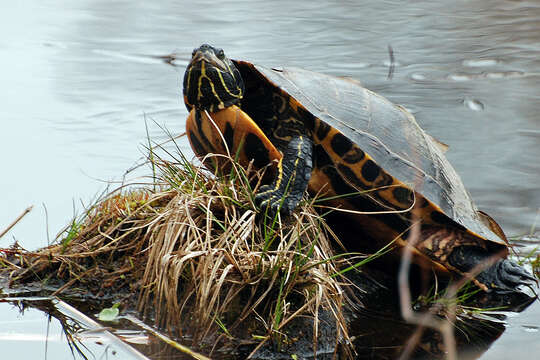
<point>294,172</point>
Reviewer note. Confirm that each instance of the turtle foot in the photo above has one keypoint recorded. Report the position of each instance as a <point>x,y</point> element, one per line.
<point>504,276</point>
<point>276,201</point>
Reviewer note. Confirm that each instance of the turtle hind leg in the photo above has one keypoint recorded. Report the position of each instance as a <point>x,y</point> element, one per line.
<point>503,276</point>
<point>294,172</point>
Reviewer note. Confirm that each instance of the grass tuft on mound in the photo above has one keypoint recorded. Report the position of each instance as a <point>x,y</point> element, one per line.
<point>198,257</point>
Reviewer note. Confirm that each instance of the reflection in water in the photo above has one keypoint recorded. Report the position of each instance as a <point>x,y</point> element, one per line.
<point>380,332</point>
<point>56,331</point>
<point>377,333</point>
<point>385,338</point>
<point>78,80</point>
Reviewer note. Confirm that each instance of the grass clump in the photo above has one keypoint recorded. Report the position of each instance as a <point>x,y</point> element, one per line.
<point>98,251</point>
<point>198,257</point>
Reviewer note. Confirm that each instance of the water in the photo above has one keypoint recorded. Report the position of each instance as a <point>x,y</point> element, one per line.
<point>80,78</point>
<point>44,328</point>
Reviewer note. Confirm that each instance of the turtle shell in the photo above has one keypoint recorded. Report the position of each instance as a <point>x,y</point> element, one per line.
<point>390,136</point>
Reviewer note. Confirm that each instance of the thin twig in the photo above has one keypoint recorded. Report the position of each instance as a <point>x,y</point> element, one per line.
<point>26,211</point>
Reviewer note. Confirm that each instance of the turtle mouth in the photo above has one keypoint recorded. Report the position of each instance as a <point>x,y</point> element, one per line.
<point>206,57</point>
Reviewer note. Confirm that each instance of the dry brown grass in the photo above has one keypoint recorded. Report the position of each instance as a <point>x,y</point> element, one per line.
<point>199,256</point>
<point>97,251</point>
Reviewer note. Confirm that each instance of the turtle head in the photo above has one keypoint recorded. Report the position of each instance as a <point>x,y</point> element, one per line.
<point>211,81</point>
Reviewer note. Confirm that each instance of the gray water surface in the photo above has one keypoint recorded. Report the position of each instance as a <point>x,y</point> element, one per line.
<point>78,79</point>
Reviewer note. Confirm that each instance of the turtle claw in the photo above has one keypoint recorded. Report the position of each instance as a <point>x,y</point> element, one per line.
<point>505,276</point>
<point>512,273</point>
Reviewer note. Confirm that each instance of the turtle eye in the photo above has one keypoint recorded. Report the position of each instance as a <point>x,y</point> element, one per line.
<point>221,54</point>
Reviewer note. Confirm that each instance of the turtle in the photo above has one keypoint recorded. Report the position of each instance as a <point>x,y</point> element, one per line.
<point>367,156</point>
